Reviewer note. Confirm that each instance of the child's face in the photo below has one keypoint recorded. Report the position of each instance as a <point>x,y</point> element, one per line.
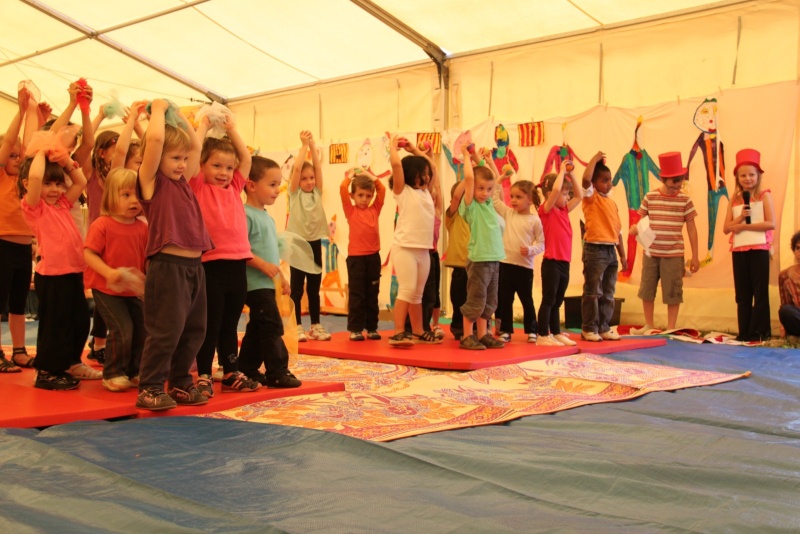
<point>602,184</point>
<point>265,191</point>
<point>14,159</point>
<point>483,189</point>
<point>361,197</point>
<point>51,191</point>
<point>563,197</point>
<point>173,163</point>
<point>127,204</point>
<point>748,177</point>
<point>135,161</point>
<point>307,180</point>
<point>672,186</point>
<point>520,201</point>
<point>218,168</point>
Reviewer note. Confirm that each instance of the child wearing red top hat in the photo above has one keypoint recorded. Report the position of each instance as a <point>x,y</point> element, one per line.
<point>750,221</point>
<point>668,209</point>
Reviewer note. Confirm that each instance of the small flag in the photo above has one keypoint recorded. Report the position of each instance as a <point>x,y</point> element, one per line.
<point>531,133</point>
<point>434,138</point>
<point>338,153</point>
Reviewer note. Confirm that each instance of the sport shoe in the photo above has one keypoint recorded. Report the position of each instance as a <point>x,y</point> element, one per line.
<point>301,334</point>
<point>590,336</point>
<point>55,381</point>
<point>564,340</point>
<point>188,397</point>
<point>532,338</point>
<point>237,383</point>
<point>641,331</point>
<point>548,341</point>
<point>205,385</point>
<point>471,343</point>
<point>505,337</point>
<point>356,336</point>
<point>610,336</point>
<point>81,371</point>
<point>155,400</point>
<point>373,335</point>
<point>318,333</point>
<point>257,376</point>
<point>118,383</point>
<point>491,342</point>
<point>97,355</point>
<point>401,340</point>
<point>286,380</point>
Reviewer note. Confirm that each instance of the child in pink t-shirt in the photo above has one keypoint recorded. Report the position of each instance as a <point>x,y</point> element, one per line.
<point>114,252</point>
<point>554,213</point>
<point>63,312</point>
<point>224,164</point>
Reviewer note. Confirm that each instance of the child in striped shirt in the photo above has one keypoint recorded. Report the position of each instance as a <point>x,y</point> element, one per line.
<point>668,209</point>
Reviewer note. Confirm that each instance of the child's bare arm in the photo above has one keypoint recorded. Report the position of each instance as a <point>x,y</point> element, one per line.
<point>10,139</point>
<point>621,251</point>
<point>96,263</point>
<point>589,170</point>
<point>297,168</point>
<point>83,154</point>
<point>691,230</point>
<point>398,180</point>
<point>35,177</point>
<point>193,164</point>
<point>245,159</point>
<point>125,136</point>
<point>551,199</point>
<point>577,193</point>
<point>312,146</point>
<point>151,156</point>
<point>455,202</point>
<point>469,178</point>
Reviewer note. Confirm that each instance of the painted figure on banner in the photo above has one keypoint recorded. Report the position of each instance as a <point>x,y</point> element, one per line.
<point>710,145</point>
<point>504,160</point>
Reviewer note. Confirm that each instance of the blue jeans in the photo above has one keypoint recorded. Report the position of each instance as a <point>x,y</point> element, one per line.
<point>600,281</point>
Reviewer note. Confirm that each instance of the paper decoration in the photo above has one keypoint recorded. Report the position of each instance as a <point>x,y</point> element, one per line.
<point>750,237</point>
<point>531,133</point>
<point>338,153</point>
<point>434,138</point>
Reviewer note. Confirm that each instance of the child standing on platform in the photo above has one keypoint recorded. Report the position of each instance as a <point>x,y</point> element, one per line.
<point>363,250</point>
<point>117,239</point>
<point>307,219</point>
<point>523,239</point>
<point>751,211</point>
<point>175,287</point>
<point>484,252</point>
<point>455,257</point>
<point>601,244</point>
<point>668,209</point>
<point>554,213</point>
<point>224,163</point>
<point>63,311</point>
<point>262,342</point>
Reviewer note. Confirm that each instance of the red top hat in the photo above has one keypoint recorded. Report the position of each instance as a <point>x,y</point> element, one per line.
<point>748,156</point>
<point>671,165</point>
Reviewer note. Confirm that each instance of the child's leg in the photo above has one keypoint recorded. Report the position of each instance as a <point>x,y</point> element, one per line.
<point>594,264</point>
<point>790,319</point>
<point>357,285</point>
<point>313,283</point>
<point>411,267</point>
<point>115,312</point>
<point>429,291</point>
<point>505,298</point>
<point>194,330</point>
<point>648,286</point>
<point>648,307</point>
<point>136,313</point>
<point>562,284</point>
<point>55,341</point>
<point>760,325</point>
<point>215,273</point>
<point>251,352</point>
<point>482,327</point>
<point>458,296</point>
<point>549,290</point>
<point>268,327</point>
<point>743,289</point>
<point>672,315</point>
<point>474,307</point>
<point>672,270</point>
<point>605,305</point>
<point>524,290</point>
<point>15,282</point>
<point>373,284</point>
<point>234,293</point>
<point>297,280</point>
<point>99,330</point>
<point>491,274</point>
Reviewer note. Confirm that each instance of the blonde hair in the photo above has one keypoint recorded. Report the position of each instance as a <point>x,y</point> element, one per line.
<point>737,190</point>
<point>117,180</point>
<point>174,139</point>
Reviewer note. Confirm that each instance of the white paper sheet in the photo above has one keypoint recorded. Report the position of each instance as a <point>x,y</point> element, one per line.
<point>748,237</point>
<point>645,235</point>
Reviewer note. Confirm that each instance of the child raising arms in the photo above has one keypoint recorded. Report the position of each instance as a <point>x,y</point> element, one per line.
<point>554,213</point>
<point>63,311</point>
<point>307,219</point>
<point>115,240</point>
<point>751,260</point>
<point>175,288</point>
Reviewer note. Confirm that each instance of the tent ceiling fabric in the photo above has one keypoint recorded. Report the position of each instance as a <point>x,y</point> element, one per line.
<point>233,49</point>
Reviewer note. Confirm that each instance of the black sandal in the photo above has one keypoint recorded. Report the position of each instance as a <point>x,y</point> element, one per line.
<point>7,366</point>
<point>28,364</point>
<point>427,338</point>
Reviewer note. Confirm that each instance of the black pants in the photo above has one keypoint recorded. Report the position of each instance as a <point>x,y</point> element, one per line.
<point>751,281</point>
<point>555,279</point>
<point>174,319</point>
<point>262,342</point>
<point>458,296</point>
<point>515,279</point>
<point>790,319</point>
<point>125,319</point>
<point>15,276</point>
<point>364,283</point>
<point>63,321</point>
<point>99,327</point>
<point>312,283</point>
<point>226,291</point>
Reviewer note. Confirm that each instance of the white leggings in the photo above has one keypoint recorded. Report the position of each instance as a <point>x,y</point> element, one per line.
<point>411,265</point>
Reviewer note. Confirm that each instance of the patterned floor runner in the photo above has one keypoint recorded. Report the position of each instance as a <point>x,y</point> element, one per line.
<point>384,402</point>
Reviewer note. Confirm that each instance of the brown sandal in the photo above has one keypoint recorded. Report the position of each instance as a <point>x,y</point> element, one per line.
<point>28,363</point>
<point>7,366</point>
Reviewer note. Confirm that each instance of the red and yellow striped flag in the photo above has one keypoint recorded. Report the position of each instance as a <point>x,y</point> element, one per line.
<point>338,153</point>
<point>434,138</point>
<point>531,133</point>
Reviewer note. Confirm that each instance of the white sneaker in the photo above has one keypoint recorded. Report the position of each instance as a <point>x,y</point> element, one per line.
<point>641,331</point>
<point>548,341</point>
<point>301,334</point>
<point>505,337</point>
<point>610,336</point>
<point>118,383</point>
<point>318,332</point>
<point>590,336</point>
<point>532,338</point>
<point>564,340</point>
